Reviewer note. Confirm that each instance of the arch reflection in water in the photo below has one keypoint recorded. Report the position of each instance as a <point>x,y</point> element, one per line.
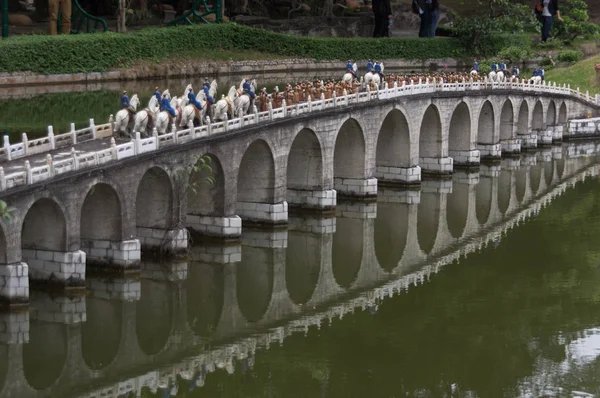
<point>303,265</point>
<point>391,233</point>
<point>154,316</point>
<point>205,289</point>
<point>255,277</point>
<point>45,356</point>
<point>459,202</point>
<point>101,333</point>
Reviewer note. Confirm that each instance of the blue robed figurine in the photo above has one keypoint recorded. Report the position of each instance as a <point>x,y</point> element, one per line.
<point>125,104</point>
<point>247,89</point>
<point>377,69</point>
<point>350,67</point>
<point>157,94</point>
<point>165,105</point>
<point>494,67</point>
<point>206,88</point>
<point>502,66</point>
<point>193,100</point>
<point>476,66</point>
<point>370,66</point>
<point>515,71</point>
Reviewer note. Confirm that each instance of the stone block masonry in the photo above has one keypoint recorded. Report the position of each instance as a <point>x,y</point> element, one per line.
<point>64,268</point>
<point>263,213</point>
<point>356,187</point>
<point>436,166</point>
<point>582,128</point>
<point>357,210</point>
<point>319,200</point>
<point>269,240</point>
<point>544,137</point>
<point>64,310</point>
<point>220,227</point>
<point>388,175</point>
<point>528,141</point>
<point>106,254</point>
<point>14,283</point>
<point>466,158</point>
<point>390,195</point>
<point>490,151</point>
<point>217,254</point>
<point>437,187</point>
<point>115,289</point>
<point>14,327</point>
<point>313,225</point>
<point>511,146</point>
<point>170,241</point>
<point>557,133</point>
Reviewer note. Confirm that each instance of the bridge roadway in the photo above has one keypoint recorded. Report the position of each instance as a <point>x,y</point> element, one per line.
<point>102,208</point>
<point>151,333</point>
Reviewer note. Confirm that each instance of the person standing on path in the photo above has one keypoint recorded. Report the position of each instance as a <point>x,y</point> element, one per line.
<point>545,11</point>
<point>434,18</point>
<point>383,13</point>
<point>419,7</point>
<point>65,9</point>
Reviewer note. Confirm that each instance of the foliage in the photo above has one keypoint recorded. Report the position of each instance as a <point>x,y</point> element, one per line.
<point>581,74</point>
<point>576,21</point>
<point>514,54</point>
<point>570,56</point>
<point>5,212</point>
<point>105,51</point>
<point>551,44</point>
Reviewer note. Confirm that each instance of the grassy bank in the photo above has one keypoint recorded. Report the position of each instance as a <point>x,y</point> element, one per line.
<point>581,74</point>
<point>106,51</point>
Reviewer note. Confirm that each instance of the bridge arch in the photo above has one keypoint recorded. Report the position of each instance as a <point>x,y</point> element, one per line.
<point>428,220</point>
<point>457,209</point>
<point>45,355</point>
<point>104,324</point>
<point>430,134</point>
<point>101,214</point>
<point>208,196</point>
<point>562,114</point>
<point>537,121</point>
<point>255,278</point>
<point>154,316</point>
<point>551,118</point>
<point>44,227</point>
<point>459,138</point>
<point>347,250</point>
<point>349,157</point>
<point>256,176</point>
<point>523,124</point>
<point>507,121</point>
<point>394,147</point>
<point>305,162</point>
<point>391,234</point>
<point>154,200</point>
<point>486,125</point>
<point>302,265</point>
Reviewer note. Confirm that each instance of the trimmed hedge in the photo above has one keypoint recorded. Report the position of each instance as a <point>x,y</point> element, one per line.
<point>105,51</point>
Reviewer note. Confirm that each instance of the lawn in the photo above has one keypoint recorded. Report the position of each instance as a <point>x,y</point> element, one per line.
<point>582,75</point>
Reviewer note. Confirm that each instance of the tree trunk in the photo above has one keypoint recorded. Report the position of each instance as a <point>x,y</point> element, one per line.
<point>122,16</point>
<point>328,9</point>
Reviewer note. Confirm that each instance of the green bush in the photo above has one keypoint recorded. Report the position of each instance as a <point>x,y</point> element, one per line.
<point>105,51</point>
<point>514,54</point>
<point>570,56</point>
<point>576,21</point>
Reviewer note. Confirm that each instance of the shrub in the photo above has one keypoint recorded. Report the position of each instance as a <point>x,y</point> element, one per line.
<point>570,56</point>
<point>104,51</point>
<point>575,15</point>
<point>514,54</point>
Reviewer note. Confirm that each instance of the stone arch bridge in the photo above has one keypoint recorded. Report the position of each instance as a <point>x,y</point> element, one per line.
<point>142,324</point>
<point>106,215</point>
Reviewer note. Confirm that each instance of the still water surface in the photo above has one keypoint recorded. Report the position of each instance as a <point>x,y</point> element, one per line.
<point>520,318</point>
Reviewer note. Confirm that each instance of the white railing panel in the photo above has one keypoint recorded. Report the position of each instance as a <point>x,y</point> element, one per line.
<point>147,145</point>
<point>84,135</point>
<point>166,140</point>
<point>38,146</point>
<point>104,156</point>
<point>184,136</point>
<point>63,140</point>
<point>16,179</point>
<point>64,166</point>
<point>126,150</point>
<point>40,173</point>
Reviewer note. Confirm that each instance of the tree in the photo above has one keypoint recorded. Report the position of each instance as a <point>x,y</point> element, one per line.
<point>576,21</point>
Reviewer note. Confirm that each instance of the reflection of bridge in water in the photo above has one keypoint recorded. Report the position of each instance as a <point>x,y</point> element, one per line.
<point>186,320</point>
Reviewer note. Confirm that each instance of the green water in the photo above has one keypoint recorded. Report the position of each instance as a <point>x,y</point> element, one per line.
<point>520,318</point>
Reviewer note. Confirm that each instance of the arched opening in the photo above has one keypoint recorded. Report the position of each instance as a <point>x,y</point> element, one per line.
<point>44,227</point>
<point>430,137</point>
<point>205,291</point>
<point>504,190</point>
<point>154,200</point>
<point>101,332</point>
<point>45,356</point>
<point>4,364</point>
<point>551,116</point>
<point>535,178</point>
<point>507,121</point>
<point>347,250</point>
<point>391,231</point>
<point>393,142</point>
<point>256,177</point>
<point>486,127</point>
<point>154,316</point>
<point>302,265</point>
<point>208,196</point>
<point>457,209</point>
<point>523,126</point>
<point>483,201</point>
<point>537,123</point>
<point>349,154</point>
<point>428,220</point>
<point>521,183</point>
<point>562,114</point>
<point>255,277</point>
<point>101,214</point>
<point>459,138</point>
<point>305,162</point>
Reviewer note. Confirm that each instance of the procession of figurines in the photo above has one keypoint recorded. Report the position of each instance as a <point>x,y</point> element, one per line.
<point>165,113</point>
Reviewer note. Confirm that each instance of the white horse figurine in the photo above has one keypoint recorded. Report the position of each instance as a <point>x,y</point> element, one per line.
<point>124,119</point>
<point>375,78</point>
<point>220,109</point>
<point>349,77</point>
<point>535,80</point>
<point>212,91</point>
<point>144,119</point>
<point>474,72</point>
<point>164,120</point>
<point>189,111</point>
<point>501,76</point>
<point>241,101</point>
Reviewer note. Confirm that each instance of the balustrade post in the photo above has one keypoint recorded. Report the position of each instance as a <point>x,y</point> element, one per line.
<point>284,107</point>
<point>28,176</point>
<point>155,135</point>
<point>2,179</point>
<point>24,140</point>
<point>345,94</point>
<point>113,149</point>
<point>93,128</point>
<point>226,122</point>
<point>208,125</point>
<point>309,100</point>
<point>7,147</point>
<point>191,127</point>
<point>73,134</point>
<point>138,143</point>
<point>270,109</point>
<point>50,164</point>
<point>241,116</point>
<point>51,137</point>
<point>75,159</point>
<point>255,110</point>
